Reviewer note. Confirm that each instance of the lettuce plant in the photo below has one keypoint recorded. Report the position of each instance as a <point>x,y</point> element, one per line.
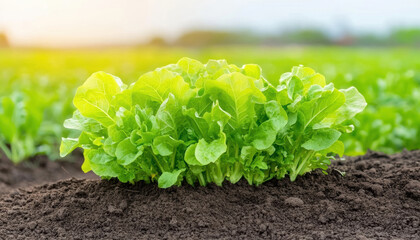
<point>30,124</point>
<point>19,124</point>
<point>208,123</point>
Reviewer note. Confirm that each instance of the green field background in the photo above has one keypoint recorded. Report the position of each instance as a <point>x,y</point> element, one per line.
<point>44,81</point>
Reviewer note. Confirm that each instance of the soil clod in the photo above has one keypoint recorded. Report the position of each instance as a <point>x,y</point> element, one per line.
<point>294,202</point>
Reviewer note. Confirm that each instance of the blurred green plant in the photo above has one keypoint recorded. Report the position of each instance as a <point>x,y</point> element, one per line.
<point>19,125</point>
<point>29,123</point>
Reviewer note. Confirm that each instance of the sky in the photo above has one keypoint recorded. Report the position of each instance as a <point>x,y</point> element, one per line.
<point>62,23</point>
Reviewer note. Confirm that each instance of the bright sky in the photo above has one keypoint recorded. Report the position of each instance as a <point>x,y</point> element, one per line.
<point>91,22</point>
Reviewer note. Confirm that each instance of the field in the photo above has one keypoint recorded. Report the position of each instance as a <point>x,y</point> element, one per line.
<point>45,82</point>
<point>352,201</point>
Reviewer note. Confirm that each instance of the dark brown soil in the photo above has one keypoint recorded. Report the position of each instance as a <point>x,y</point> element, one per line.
<point>36,171</point>
<point>378,198</point>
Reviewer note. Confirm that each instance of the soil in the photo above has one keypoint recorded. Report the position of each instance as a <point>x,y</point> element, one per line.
<point>377,198</point>
<point>38,170</point>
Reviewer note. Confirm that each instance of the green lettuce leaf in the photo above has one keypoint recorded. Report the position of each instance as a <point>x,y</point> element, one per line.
<point>207,123</point>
